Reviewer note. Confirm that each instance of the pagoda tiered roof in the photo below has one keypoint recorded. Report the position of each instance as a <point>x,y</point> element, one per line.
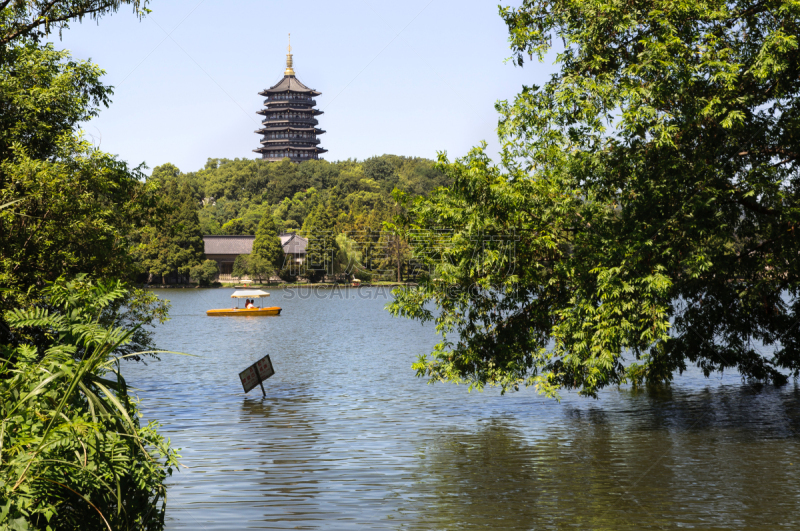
<point>283,136</point>
<point>289,84</point>
<point>279,128</point>
<point>315,112</point>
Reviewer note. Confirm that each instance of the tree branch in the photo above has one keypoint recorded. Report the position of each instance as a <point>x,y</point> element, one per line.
<point>42,19</point>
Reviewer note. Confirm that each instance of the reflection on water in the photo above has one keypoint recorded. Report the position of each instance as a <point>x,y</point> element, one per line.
<point>707,460</point>
<point>348,437</point>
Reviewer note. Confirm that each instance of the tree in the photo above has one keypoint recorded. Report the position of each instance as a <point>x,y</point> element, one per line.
<point>166,173</point>
<point>73,454</point>
<point>322,247</point>
<point>644,214</point>
<point>174,245</point>
<point>347,260</point>
<point>260,268</point>
<point>235,180</point>
<point>205,273</point>
<point>242,190</point>
<point>189,238</point>
<point>381,171</point>
<point>241,266</point>
<point>396,253</point>
<point>36,19</point>
<point>73,208</point>
<point>267,256</point>
<point>285,181</point>
<point>235,227</point>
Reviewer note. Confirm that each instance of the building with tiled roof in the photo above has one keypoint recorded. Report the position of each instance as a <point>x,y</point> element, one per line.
<point>289,125</point>
<point>225,249</point>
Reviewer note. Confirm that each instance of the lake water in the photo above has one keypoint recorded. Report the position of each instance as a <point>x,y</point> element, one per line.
<point>348,438</point>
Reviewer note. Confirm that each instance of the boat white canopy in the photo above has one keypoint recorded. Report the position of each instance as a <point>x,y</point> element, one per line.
<point>249,294</point>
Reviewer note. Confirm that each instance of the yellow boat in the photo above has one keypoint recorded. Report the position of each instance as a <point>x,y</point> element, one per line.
<point>247,294</point>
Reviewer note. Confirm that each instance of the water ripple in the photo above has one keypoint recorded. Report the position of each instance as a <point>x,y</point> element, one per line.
<point>348,438</point>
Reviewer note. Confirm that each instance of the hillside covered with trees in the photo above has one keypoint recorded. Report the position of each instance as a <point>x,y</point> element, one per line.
<point>343,204</point>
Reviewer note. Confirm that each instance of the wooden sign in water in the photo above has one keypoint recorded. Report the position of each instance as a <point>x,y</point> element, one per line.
<point>257,373</point>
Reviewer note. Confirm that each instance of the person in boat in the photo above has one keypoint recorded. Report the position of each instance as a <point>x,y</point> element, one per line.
<point>249,304</point>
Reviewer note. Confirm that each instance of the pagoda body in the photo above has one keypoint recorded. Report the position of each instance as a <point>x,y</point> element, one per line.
<point>289,125</point>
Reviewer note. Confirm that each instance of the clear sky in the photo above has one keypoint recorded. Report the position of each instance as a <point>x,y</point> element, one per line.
<point>407,78</point>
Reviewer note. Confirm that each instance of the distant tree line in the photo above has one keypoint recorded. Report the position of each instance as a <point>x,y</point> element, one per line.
<point>341,205</point>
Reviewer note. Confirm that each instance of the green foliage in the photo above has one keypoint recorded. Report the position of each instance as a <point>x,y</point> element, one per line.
<point>347,260</point>
<point>241,266</point>
<point>252,217</point>
<point>382,172</point>
<point>284,181</point>
<point>233,197</point>
<point>205,273</point>
<point>165,174</point>
<point>138,311</point>
<point>259,268</point>
<point>322,247</point>
<point>73,454</point>
<point>36,19</point>
<point>643,216</point>
<point>396,255</point>
<point>242,190</point>
<point>176,245</point>
<point>267,256</point>
<point>234,180</point>
<point>74,208</point>
<point>208,224</point>
<point>288,274</point>
<point>235,227</point>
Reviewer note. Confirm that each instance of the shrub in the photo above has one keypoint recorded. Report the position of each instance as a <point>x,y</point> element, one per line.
<point>288,274</point>
<point>205,273</point>
<point>73,454</point>
<point>363,275</point>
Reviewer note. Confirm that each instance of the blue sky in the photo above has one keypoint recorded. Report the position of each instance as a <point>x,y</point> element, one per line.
<point>407,78</point>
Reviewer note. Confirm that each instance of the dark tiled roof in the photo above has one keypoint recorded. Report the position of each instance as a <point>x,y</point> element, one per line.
<point>294,244</point>
<point>289,83</point>
<point>228,244</point>
<point>291,141</point>
<point>270,129</point>
<point>308,110</point>
<point>291,243</point>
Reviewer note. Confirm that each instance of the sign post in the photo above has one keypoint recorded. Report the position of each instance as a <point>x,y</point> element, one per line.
<point>256,373</point>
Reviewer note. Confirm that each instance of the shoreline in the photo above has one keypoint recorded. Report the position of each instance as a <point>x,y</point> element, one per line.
<point>229,285</point>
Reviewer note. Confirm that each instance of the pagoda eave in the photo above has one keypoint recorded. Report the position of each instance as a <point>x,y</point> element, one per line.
<point>289,83</point>
<point>289,143</point>
<point>265,130</point>
<point>315,149</point>
<point>313,112</point>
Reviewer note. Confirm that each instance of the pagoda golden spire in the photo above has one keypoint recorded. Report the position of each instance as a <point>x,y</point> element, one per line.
<point>289,70</point>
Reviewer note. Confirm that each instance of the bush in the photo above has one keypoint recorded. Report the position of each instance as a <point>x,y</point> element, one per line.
<point>205,273</point>
<point>363,275</point>
<point>73,454</point>
<point>314,275</point>
<point>288,274</point>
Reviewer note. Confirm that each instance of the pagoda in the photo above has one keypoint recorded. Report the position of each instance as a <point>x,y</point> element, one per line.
<point>289,125</point>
